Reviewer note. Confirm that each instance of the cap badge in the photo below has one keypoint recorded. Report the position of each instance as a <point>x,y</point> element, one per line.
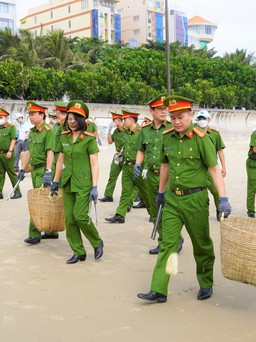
<point>78,105</point>
<point>163,98</point>
<point>172,102</point>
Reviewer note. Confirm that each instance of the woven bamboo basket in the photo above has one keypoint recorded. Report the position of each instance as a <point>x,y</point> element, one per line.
<point>238,249</point>
<point>47,213</point>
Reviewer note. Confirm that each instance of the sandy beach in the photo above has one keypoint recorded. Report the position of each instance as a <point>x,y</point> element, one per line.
<point>44,299</point>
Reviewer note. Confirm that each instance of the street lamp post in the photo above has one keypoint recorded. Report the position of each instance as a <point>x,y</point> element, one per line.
<point>167,48</point>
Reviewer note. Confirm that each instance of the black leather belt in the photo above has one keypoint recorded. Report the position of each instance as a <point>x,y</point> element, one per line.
<point>3,151</point>
<point>156,171</point>
<point>184,192</point>
<point>34,167</point>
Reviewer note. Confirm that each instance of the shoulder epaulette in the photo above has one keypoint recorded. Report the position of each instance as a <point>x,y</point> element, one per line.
<point>146,125</point>
<point>65,132</point>
<point>47,128</point>
<point>198,132</point>
<point>168,130</point>
<point>215,129</point>
<point>89,134</point>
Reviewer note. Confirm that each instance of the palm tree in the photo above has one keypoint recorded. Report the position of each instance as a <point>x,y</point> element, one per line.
<point>240,56</point>
<point>57,52</point>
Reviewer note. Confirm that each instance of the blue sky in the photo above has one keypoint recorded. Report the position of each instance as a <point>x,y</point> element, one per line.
<point>235,19</point>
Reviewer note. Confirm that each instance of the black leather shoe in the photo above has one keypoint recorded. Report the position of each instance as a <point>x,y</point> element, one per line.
<point>153,297</point>
<point>204,294</point>
<point>150,218</point>
<point>251,215</point>
<point>115,219</point>
<point>137,199</point>
<point>98,252</point>
<point>129,208</point>
<point>32,240</point>
<point>154,250</point>
<point>49,236</point>
<point>180,245</point>
<point>76,258</point>
<point>106,199</point>
<point>16,196</point>
<point>1,196</point>
<point>140,205</point>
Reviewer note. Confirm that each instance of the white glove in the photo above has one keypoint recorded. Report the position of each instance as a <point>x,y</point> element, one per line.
<point>110,127</point>
<point>144,173</point>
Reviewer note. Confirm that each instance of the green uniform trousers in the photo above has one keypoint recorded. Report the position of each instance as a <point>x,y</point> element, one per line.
<point>115,170</point>
<point>193,212</point>
<point>213,190</point>
<point>113,175</point>
<point>37,178</point>
<point>251,185</point>
<point>77,219</point>
<point>128,184</point>
<point>7,166</point>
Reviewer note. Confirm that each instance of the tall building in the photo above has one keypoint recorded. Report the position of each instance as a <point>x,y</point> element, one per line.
<point>77,18</point>
<point>8,15</point>
<point>201,29</point>
<point>141,20</point>
<point>178,27</point>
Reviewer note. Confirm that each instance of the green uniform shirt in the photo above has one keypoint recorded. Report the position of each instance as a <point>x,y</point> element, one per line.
<point>39,141</point>
<point>150,141</point>
<point>252,154</point>
<point>189,158</point>
<point>215,138</point>
<point>91,127</point>
<point>59,128</point>
<point>77,168</point>
<point>117,137</point>
<point>130,144</point>
<point>7,134</point>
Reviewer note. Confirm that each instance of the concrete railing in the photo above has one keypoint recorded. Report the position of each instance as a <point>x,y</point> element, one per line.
<point>227,120</point>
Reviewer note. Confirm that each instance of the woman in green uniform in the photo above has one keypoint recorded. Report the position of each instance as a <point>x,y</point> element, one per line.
<point>78,152</point>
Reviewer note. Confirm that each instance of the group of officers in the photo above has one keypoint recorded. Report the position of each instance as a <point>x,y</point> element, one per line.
<point>171,163</point>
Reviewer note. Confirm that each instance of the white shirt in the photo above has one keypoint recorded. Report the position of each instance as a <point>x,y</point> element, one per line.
<point>23,129</point>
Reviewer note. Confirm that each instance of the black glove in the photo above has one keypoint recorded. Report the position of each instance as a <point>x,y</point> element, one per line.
<point>224,207</point>
<point>47,179</point>
<point>160,199</point>
<point>54,188</point>
<point>21,175</point>
<point>93,194</point>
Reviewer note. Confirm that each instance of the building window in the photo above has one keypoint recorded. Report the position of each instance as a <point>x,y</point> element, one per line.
<point>136,18</point>
<point>51,14</point>
<point>136,32</point>
<point>84,4</point>
<point>151,3</point>
<point>158,4</point>
<point>35,20</point>
<point>69,23</point>
<point>149,35</point>
<point>208,30</point>
<point>69,9</point>
<point>4,8</point>
<point>6,23</point>
<point>95,3</point>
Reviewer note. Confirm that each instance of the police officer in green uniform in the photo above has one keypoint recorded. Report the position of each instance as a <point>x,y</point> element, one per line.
<point>116,165</point>
<point>149,147</point>
<point>130,138</point>
<point>40,154</point>
<point>186,155</point>
<point>202,119</point>
<point>92,128</point>
<point>7,156</point>
<point>78,151</point>
<point>251,176</point>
